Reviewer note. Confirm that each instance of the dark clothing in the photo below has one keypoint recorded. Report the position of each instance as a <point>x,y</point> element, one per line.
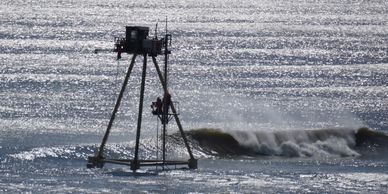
<point>166,102</point>
<point>157,107</point>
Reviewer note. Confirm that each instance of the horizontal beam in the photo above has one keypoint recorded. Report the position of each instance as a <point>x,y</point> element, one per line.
<point>144,162</point>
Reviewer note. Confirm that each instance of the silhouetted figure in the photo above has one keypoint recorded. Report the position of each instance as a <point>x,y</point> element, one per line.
<point>166,105</point>
<point>166,102</point>
<point>157,107</point>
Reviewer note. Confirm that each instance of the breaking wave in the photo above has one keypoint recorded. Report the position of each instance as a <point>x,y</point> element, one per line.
<point>289,143</point>
<point>206,142</point>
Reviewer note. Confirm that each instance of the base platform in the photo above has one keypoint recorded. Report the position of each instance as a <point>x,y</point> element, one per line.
<point>98,162</point>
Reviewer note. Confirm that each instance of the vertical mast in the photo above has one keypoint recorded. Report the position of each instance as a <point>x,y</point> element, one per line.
<point>165,112</point>
<point>166,52</point>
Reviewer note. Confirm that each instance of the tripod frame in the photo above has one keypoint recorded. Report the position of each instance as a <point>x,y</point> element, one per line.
<point>99,159</point>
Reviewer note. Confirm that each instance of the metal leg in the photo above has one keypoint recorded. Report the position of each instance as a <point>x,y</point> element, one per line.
<point>135,164</point>
<point>116,108</point>
<point>192,160</point>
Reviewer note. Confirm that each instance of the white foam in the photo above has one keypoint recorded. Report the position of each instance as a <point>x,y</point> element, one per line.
<point>299,143</point>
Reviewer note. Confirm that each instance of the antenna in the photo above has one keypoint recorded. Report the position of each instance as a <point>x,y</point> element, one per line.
<point>156,31</point>
<point>166,52</point>
<point>166,24</point>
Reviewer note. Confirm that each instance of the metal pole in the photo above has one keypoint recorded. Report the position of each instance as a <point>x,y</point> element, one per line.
<point>166,52</point>
<point>117,105</point>
<point>165,112</point>
<point>164,120</point>
<point>135,165</point>
<point>173,109</point>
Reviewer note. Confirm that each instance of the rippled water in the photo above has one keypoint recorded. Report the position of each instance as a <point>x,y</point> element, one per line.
<point>251,66</point>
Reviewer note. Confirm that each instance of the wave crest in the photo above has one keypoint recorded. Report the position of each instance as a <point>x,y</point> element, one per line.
<point>287,143</point>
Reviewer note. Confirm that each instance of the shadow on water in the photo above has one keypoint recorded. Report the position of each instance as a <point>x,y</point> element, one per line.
<point>123,172</point>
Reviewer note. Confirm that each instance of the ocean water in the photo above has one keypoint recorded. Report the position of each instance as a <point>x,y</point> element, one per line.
<point>276,96</point>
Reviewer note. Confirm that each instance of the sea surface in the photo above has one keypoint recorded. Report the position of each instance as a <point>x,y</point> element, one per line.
<point>276,96</point>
